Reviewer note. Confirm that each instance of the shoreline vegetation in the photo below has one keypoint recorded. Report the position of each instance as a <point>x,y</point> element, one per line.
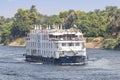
<point>92,42</point>
<point>100,27</point>
<point>18,42</point>
<point>103,43</point>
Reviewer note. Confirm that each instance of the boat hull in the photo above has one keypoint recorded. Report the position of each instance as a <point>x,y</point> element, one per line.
<point>66,60</point>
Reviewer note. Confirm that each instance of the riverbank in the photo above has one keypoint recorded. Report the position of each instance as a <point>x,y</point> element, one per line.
<point>18,42</point>
<point>104,43</point>
<point>95,43</point>
<point>92,42</point>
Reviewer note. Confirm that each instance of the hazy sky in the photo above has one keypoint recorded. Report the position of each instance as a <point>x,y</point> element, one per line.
<point>9,7</point>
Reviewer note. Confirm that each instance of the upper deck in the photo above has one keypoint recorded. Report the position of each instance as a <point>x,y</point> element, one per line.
<point>57,34</point>
<point>66,35</point>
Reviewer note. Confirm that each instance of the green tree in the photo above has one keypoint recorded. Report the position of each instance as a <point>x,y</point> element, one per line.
<point>21,24</point>
<point>63,16</point>
<point>53,20</point>
<point>6,34</point>
<point>5,37</point>
<point>34,15</point>
<point>2,20</point>
<point>114,18</point>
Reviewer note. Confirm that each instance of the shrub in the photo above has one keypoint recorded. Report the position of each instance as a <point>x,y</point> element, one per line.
<point>109,43</point>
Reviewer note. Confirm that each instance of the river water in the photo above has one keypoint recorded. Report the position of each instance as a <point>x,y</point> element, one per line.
<point>101,65</point>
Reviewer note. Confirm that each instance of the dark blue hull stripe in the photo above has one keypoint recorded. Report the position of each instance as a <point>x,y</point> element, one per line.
<point>61,60</point>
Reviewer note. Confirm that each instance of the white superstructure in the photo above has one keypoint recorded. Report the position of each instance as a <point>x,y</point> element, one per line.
<point>55,43</point>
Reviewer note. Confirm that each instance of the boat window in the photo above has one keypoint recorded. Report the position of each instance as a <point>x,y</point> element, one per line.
<point>51,45</point>
<point>63,44</point>
<point>56,44</point>
<point>77,44</point>
<point>83,44</point>
<point>70,44</point>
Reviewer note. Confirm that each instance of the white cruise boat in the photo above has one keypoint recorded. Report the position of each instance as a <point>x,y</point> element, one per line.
<point>56,46</point>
